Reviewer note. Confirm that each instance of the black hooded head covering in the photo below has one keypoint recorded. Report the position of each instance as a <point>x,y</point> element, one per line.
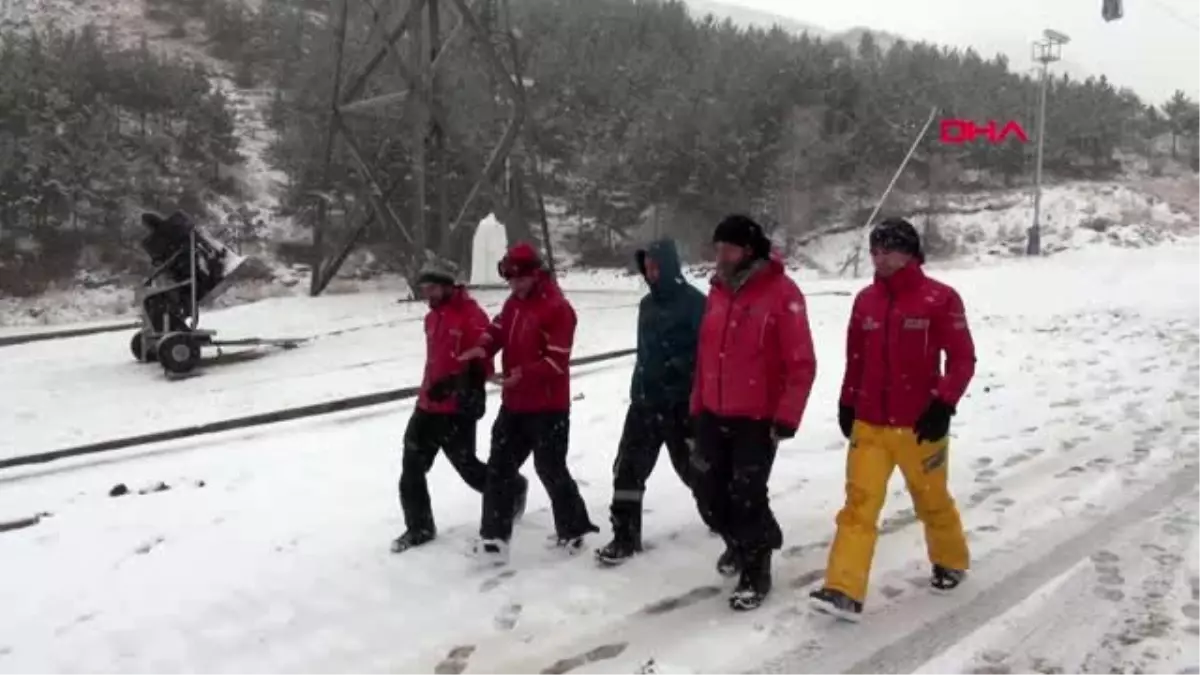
<point>741,230</point>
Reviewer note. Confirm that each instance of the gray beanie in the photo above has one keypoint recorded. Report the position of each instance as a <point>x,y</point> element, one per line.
<point>438,271</point>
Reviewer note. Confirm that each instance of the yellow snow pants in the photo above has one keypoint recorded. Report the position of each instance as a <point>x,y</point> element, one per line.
<point>875,451</point>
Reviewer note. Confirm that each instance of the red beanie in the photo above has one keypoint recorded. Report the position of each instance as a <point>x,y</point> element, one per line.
<point>521,260</point>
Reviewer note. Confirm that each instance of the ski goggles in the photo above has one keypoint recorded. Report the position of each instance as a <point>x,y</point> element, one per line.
<point>512,269</point>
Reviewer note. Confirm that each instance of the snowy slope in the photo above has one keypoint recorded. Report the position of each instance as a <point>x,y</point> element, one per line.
<point>1075,464</point>
<point>127,22</point>
<point>983,227</point>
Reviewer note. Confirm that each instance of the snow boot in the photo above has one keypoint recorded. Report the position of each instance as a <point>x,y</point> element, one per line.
<point>493,552</point>
<point>945,579</point>
<point>626,522</point>
<point>729,564</point>
<point>570,545</point>
<point>522,496</point>
<point>836,604</point>
<point>411,539</point>
<point>617,551</point>
<point>754,585</point>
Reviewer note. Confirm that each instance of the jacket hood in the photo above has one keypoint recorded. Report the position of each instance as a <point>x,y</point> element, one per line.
<point>670,270</point>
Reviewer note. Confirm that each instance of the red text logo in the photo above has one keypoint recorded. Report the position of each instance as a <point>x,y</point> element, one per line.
<point>966,131</point>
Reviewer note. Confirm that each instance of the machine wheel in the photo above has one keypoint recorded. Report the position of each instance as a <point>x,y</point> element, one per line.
<point>178,352</point>
<point>135,346</point>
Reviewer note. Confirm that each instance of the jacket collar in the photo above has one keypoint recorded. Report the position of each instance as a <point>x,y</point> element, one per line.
<point>904,279</point>
<point>758,270</point>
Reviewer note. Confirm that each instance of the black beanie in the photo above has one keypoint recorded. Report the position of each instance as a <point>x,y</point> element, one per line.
<point>741,230</point>
<point>436,271</point>
<point>897,234</point>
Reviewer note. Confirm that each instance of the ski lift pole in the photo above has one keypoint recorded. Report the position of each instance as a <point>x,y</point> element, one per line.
<point>895,177</point>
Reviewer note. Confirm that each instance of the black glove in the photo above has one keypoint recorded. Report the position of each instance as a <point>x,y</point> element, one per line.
<point>846,419</point>
<point>443,389</point>
<point>934,423</point>
<point>781,430</point>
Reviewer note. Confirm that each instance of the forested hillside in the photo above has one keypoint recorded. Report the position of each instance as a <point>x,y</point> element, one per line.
<point>89,134</point>
<point>639,112</point>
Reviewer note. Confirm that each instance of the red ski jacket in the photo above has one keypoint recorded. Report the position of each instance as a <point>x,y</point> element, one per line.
<point>755,357</point>
<point>899,328</point>
<point>536,334</point>
<point>450,329</point>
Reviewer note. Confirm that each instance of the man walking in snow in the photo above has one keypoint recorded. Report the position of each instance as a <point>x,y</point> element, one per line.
<point>895,410</point>
<point>668,327</point>
<point>755,368</point>
<point>535,330</point>
<point>449,405</point>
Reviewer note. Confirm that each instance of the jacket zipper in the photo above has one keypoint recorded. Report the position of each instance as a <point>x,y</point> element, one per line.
<point>887,368</point>
<point>437,328</point>
<point>721,355</point>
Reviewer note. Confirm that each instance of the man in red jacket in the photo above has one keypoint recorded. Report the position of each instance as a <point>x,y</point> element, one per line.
<point>449,405</point>
<point>895,410</point>
<point>535,331</point>
<point>754,369</point>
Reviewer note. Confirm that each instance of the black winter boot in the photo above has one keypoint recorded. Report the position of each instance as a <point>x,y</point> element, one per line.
<point>626,521</point>
<point>755,583</point>
<point>730,563</point>
<point>411,539</point>
<point>836,603</point>
<point>946,579</point>
<point>616,552</point>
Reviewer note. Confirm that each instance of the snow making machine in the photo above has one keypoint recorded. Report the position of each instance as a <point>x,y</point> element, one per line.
<point>191,268</point>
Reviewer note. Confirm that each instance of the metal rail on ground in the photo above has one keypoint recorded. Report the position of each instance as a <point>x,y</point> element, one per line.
<point>39,336</point>
<point>85,331</point>
<point>274,417</point>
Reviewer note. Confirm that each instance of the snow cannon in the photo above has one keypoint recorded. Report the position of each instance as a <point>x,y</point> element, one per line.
<point>191,269</point>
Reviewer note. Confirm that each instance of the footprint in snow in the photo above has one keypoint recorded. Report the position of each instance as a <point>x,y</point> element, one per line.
<point>146,547</point>
<point>982,495</point>
<point>1191,610</point>
<point>601,653</point>
<point>506,619</point>
<point>985,476</point>
<point>808,578</point>
<point>456,661</point>
<point>493,582</point>
<point>680,601</point>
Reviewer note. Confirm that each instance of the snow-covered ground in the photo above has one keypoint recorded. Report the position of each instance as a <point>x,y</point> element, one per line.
<point>1075,464</point>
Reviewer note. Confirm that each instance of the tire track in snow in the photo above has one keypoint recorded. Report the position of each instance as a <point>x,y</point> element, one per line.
<point>901,639</point>
<point>912,646</point>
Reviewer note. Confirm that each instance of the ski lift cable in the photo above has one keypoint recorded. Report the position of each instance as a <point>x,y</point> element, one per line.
<point>1176,14</point>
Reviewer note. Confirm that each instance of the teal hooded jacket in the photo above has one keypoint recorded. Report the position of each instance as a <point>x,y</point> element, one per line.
<point>668,331</point>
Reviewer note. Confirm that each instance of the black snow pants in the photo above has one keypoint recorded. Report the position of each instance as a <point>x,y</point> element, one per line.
<point>731,467</point>
<point>427,433</point>
<point>647,429</point>
<point>516,436</point>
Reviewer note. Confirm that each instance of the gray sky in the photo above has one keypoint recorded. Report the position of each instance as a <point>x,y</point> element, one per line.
<point>1152,49</point>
